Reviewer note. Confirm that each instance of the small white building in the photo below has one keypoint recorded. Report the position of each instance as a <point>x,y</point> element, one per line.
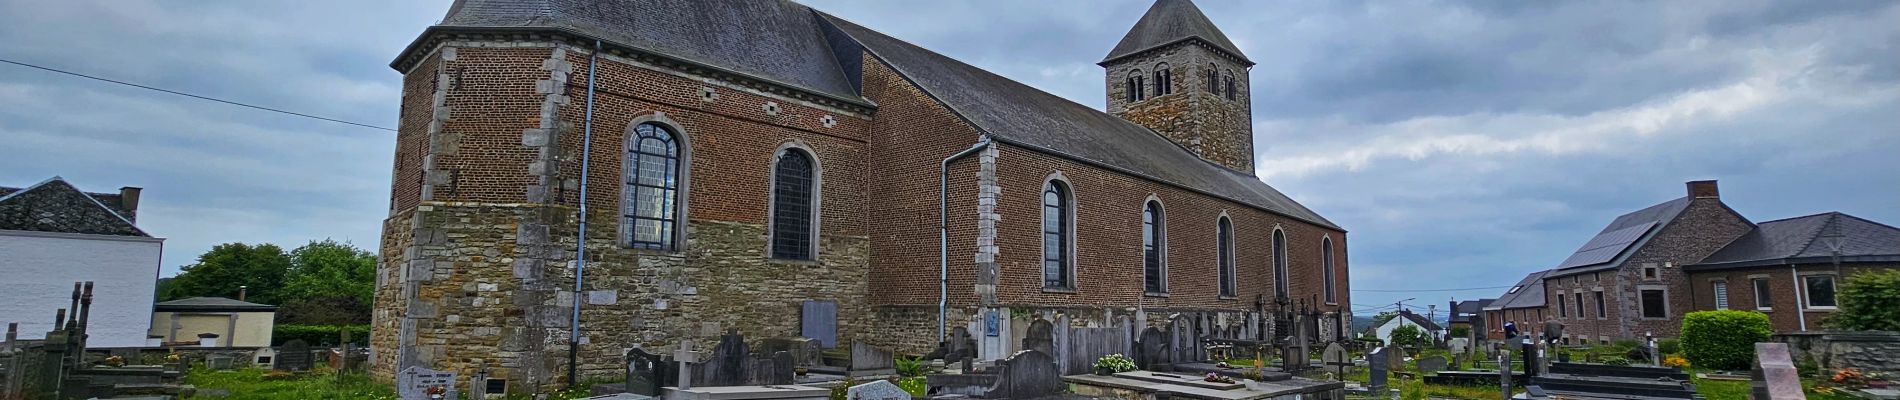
<point>52,235</point>
<point>1384,331</point>
<point>236,323</point>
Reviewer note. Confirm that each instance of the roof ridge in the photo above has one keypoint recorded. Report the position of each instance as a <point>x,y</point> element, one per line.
<point>1799,217</point>
<point>1866,220</point>
<point>1816,235</point>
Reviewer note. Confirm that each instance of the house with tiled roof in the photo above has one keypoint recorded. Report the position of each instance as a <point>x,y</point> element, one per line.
<point>1791,268</point>
<point>764,167</point>
<point>1522,306</point>
<point>52,234</point>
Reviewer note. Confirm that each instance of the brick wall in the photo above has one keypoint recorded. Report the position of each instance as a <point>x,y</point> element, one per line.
<point>1218,129</point>
<point>1702,228</point>
<point>1783,297</point>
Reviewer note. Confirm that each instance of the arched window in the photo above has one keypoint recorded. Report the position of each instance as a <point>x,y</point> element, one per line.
<point>650,195</point>
<point>1326,255</point>
<point>1164,80</point>
<point>1231,93</point>
<point>1154,248</point>
<point>794,191</point>
<point>1136,87</point>
<point>1213,79</point>
<point>1280,275</point>
<point>1056,236</point>
<point>1225,244</point>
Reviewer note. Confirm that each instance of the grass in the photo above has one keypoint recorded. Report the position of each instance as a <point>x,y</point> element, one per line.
<point>1738,390</point>
<point>251,384</point>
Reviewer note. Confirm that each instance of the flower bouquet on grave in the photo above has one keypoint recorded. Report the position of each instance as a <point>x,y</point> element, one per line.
<point>436,392</point>
<point>1849,377</point>
<point>1217,378</point>
<point>1113,363</point>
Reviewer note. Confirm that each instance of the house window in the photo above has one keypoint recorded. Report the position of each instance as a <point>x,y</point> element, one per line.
<point>1650,271</point>
<point>651,188</point>
<point>1655,303</point>
<point>1563,308</point>
<point>1280,275</point>
<point>1579,296</point>
<point>1762,301</point>
<point>1154,248</point>
<point>1055,235</point>
<point>792,212</point>
<point>1600,308</point>
<point>1326,257</point>
<point>1721,294</point>
<point>1225,242</point>
<point>1230,87</point>
<point>1164,80</point>
<point>1820,290</point>
<point>1135,86</point>
<point>1514,289</point>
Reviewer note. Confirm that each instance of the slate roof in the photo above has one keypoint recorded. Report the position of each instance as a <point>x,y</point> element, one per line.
<point>1018,114</point>
<point>1468,309</point>
<point>1528,292</point>
<point>55,205</point>
<point>1168,22</point>
<point>1421,321</point>
<point>1624,234</point>
<point>773,40</point>
<point>1803,239</point>
<point>211,304</point>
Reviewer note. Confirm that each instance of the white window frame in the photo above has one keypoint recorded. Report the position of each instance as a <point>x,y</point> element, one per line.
<point>1762,284</point>
<point>1720,289</point>
<point>1807,294</point>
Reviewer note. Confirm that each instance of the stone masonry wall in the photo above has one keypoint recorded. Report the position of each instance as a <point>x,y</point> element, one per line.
<point>1782,296</point>
<point>1209,124</point>
<point>1703,227</point>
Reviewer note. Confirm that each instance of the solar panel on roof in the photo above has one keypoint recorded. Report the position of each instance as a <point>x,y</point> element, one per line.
<point>1605,246</point>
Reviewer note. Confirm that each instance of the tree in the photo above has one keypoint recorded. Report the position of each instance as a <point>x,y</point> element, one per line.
<point>1869,301</point>
<point>227,267</point>
<point>1407,335</point>
<point>1380,318</point>
<point>329,283</point>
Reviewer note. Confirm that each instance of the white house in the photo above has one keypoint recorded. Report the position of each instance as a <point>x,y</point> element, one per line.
<point>1384,331</point>
<point>52,235</point>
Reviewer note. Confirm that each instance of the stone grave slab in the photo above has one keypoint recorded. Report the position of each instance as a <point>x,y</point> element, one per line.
<point>1380,364</point>
<point>786,392</point>
<point>1040,337</point>
<point>293,356</point>
<point>1431,364</point>
<point>877,390</point>
<point>868,360</point>
<point>1774,374</point>
<point>1395,357</point>
<point>1028,374</point>
<point>1178,379</point>
<point>646,372</point>
<point>729,364</point>
<point>414,383</point>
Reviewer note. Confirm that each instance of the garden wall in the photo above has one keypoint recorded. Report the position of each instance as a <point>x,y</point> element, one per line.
<point>1864,350</point>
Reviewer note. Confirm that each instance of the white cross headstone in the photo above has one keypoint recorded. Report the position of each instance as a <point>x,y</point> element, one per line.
<point>686,357</point>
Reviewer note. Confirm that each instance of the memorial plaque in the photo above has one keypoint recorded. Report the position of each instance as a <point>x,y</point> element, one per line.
<point>418,383</point>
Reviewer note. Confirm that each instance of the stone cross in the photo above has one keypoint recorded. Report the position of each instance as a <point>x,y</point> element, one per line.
<point>686,357</point>
<point>1504,369</point>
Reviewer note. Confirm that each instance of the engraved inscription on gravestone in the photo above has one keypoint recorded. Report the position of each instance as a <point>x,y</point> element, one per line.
<point>418,383</point>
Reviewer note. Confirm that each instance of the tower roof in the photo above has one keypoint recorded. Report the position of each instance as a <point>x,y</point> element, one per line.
<point>1169,22</point>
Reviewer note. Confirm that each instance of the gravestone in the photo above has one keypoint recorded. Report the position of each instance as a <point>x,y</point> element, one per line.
<point>869,360</point>
<point>1457,362</point>
<point>1040,337</point>
<point>1028,374</point>
<point>686,357</point>
<point>775,369</point>
<point>1380,363</point>
<point>1504,368</point>
<point>1152,352</point>
<point>804,351</point>
<point>220,361</point>
<point>293,356</point>
<point>1530,357</point>
<point>819,320</point>
<point>1774,376</point>
<point>646,372</point>
<point>729,363</point>
<point>1431,364</point>
<point>1337,360</point>
<point>1291,360</point>
<point>1395,356</point>
<point>1458,345</point>
<point>877,390</point>
<point>416,383</point>
<point>961,348</point>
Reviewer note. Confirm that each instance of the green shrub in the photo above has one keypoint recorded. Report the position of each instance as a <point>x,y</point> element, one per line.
<point>1409,336</point>
<point>1869,301</point>
<point>1460,331</point>
<point>1669,346</point>
<point>317,335</point>
<point>910,366</point>
<point>1723,340</point>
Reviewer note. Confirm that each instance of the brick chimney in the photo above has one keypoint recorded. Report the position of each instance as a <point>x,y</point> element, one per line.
<point>129,201</point>
<point>1704,190</point>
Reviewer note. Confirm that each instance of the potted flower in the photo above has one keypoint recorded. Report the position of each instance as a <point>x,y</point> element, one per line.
<point>1113,363</point>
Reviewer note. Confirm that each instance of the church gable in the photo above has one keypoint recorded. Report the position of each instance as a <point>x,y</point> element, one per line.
<point>57,206</point>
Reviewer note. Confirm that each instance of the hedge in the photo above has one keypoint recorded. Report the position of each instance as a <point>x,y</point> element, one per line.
<point>317,335</point>
<point>1870,301</point>
<point>1723,340</point>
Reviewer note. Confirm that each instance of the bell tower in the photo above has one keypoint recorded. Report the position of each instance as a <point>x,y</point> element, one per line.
<point>1176,73</point>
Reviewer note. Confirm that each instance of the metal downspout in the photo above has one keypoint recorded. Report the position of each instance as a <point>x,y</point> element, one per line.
<point>943,232</point>
<point>1800,302</point>
<point>580,237</point>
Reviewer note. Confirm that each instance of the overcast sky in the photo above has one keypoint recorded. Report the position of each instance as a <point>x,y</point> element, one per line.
<point>1461,144</point>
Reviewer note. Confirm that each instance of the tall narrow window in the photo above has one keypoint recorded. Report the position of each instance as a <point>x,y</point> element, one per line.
<point>1762,301</point>
<point>1213,79</point>
<point>1326,257</point>
<point>650,192</point>
<point>792,212</point>
<point>1154,249</point>
<point>1280,273</point>
<point>1231,93</point>
<point>1820,291</point>
<point>1224,230</point>
<point>1164,80</point>
<point>1579,297</point>
<point>1721,294</point>
<point>1135,86</point>
<point>1600,311</point>
<point>1055,236</point>
<point>1563,307</point>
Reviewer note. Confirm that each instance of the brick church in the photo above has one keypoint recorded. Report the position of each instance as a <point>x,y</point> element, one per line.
<point>762,167</point>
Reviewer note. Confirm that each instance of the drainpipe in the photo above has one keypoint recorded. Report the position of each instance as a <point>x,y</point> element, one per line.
<point>1800,302</point>
<point>943,232</point>
<point>580,237</point>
